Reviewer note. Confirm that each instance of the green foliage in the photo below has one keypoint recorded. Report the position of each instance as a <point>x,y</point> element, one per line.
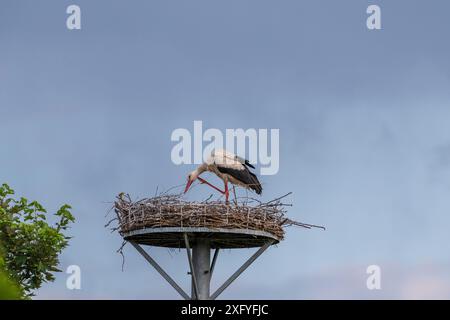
<point>31,245</point>
<point>8,289</point>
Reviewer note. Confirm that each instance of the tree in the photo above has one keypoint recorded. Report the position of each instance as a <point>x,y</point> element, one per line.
<point>31,245</point>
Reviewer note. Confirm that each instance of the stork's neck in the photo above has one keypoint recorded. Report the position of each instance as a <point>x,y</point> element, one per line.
<point>200,169</point>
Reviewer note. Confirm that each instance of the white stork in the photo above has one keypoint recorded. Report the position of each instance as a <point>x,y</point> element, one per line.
<point>228,167</point>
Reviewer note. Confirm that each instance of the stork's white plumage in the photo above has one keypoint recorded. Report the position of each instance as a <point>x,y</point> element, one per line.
<point>228,167</point>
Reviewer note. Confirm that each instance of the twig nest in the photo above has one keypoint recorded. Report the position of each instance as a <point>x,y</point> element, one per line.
<point>170,210</point>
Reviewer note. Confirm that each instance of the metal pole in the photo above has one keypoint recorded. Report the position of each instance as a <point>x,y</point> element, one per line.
<point>160,270</point>
<point>214,260</point>
<point>241,269</point>
<point>191,266</point>
<point>201,261</point>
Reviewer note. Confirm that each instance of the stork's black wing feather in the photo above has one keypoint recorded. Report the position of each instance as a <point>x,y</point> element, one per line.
<point>245,176</point>
<point>249,164</point>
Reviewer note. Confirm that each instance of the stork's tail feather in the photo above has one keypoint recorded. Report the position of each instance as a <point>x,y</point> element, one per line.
<point>257,188</point>
<point>255,185</point>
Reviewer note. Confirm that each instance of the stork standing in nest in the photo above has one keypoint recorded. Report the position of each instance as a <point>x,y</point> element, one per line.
<point>228,167</point>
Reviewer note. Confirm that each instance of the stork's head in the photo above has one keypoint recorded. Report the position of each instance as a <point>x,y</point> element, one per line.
<point>191,178</point>
<point>194,175</point>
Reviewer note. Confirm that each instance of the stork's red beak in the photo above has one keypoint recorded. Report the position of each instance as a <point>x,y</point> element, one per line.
<point>188,184</point>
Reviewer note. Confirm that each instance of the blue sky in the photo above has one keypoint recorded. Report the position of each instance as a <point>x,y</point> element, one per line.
<point>363,118</point>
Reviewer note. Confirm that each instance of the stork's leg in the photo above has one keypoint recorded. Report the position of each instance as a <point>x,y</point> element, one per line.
<point>209,184</point>
<point>227,194</point>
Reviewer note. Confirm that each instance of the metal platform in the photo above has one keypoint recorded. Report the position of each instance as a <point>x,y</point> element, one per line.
<point>218,238</point>
<point>198,243</point>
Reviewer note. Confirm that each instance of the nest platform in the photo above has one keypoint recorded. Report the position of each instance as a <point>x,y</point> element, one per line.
<point>223,238</point>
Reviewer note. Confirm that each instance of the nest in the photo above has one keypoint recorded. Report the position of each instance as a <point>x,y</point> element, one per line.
<point>170,210</point>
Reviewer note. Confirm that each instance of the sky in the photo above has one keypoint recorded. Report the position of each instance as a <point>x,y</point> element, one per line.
<point>363,118</point>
